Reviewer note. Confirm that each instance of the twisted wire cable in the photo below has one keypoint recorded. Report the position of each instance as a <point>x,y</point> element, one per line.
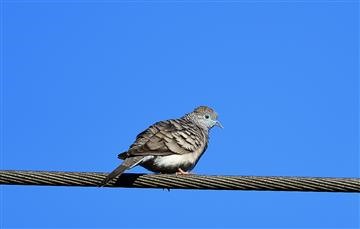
<point>164,181</point>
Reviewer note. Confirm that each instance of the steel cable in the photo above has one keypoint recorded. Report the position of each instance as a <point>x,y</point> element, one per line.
<point>163,181</point>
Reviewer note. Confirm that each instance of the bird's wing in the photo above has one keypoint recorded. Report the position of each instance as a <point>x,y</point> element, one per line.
<point>176,136</point>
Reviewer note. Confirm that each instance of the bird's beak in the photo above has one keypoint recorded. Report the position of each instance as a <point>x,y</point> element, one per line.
<point>219,124</point>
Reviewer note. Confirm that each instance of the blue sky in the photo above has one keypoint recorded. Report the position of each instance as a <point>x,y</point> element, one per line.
<point>81,79</point>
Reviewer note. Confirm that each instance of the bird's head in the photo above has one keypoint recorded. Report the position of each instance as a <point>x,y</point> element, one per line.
<point>205,117</point>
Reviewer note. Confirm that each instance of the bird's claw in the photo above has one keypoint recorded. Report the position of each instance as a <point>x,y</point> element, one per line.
<point>182,172</point>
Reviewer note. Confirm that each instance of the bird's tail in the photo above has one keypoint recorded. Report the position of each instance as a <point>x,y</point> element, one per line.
<point>128,163</point>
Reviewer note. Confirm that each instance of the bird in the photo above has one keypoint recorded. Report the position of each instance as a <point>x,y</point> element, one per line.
<point>171,146</point>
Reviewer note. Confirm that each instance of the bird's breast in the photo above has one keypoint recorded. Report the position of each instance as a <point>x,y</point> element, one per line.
<point>175,160</point>
<point>171,163</point>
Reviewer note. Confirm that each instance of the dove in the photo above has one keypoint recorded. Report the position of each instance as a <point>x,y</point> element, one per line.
<point>170,146</point>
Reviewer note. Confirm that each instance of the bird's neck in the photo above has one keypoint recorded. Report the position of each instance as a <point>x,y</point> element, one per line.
<point>192,118</point>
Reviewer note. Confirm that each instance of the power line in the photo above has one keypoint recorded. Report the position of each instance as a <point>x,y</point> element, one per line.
<point>131,180</point>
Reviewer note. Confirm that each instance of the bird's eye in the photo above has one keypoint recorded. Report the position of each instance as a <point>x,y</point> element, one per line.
<point>207,116</point>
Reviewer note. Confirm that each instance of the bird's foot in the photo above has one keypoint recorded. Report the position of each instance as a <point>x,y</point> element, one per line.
<point>182,172</point>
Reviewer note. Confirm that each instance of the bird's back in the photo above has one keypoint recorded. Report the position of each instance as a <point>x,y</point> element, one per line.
<point>179,137</point>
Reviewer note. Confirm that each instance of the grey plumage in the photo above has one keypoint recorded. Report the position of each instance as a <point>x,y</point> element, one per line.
<point>170,146</point>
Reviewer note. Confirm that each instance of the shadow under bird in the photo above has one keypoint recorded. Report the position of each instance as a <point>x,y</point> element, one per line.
<point>170,146</point>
